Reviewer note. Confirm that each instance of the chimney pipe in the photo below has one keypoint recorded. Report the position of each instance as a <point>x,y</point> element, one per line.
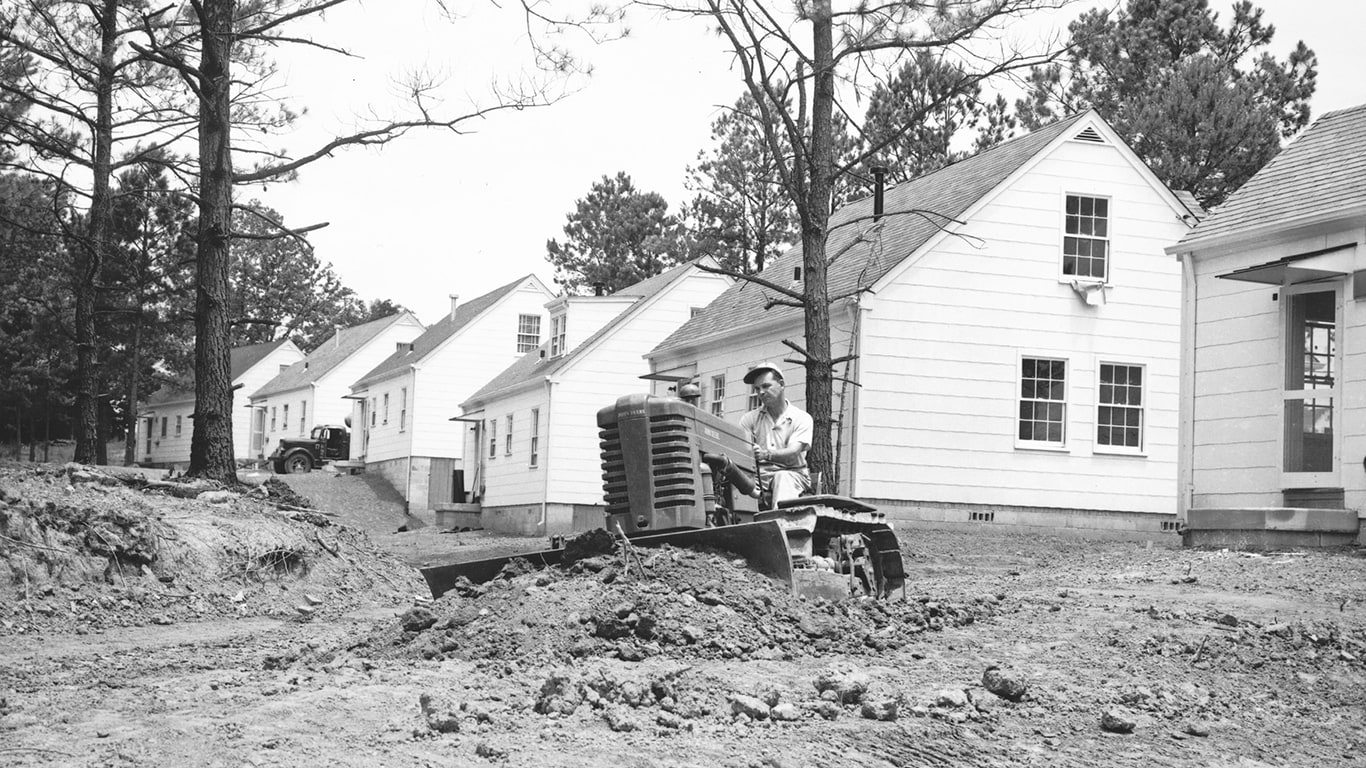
<point>879,173</point>
<point>455,299</point>
<point>597,289</point>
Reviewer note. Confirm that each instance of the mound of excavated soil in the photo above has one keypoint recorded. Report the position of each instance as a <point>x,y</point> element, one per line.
<point>677,603</point>
<point>81,550</point>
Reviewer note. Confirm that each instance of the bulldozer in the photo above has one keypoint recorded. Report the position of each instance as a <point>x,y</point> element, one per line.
<point>674,474</point>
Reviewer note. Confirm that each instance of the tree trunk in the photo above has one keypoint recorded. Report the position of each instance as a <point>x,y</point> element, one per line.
<point>130,434</point>
<point>211,450</point>
<point>815,217</point>
<point>90,254</point>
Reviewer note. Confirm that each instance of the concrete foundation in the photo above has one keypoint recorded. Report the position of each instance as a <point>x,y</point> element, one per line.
<point>1261,528</point>
<point>452,516</point>
<point>1052,521</point>
<point>560,519</point>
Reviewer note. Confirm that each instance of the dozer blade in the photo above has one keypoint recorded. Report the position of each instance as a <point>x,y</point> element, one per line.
<point>763,546</point>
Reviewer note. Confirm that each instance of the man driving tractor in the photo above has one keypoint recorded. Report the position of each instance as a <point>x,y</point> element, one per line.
<point>781,434</point>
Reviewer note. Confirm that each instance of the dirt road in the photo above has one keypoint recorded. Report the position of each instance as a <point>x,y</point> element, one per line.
<point>1214,658</point>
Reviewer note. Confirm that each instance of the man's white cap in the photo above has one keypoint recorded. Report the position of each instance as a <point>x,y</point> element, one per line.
<point>760,370</point>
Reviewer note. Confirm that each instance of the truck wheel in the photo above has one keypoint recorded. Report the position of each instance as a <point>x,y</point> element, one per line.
<point>298,464</point>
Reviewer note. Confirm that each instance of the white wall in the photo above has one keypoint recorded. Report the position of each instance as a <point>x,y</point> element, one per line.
<point>509,479</point>
<point>330,390</point>
<point>940,363</point>
<point>173,448</point>
<point>389,437</point>
<point>448,376</point>
<point>251,380</point>
<point>1238,378</point>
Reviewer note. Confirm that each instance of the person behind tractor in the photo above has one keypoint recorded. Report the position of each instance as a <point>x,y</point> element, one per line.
<point>690,393</point>
<point>781,434</point>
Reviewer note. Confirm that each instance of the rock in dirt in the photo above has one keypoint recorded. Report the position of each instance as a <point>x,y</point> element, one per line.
<point>847,688</point>
<point>416,619</point>
<point>951,698</point>
<point>785,712</point>
<point>1117,720</point>
<point>884,710</point>
<point>1004,685</point>
<point>750,706</point>
<point>828,710</point>
<point>439,712</point>
<point>559,695</point>
<point>1197,728</point>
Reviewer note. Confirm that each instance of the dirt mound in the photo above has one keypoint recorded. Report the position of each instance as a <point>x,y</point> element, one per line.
<point>81,550</point>
<point>680,603</point>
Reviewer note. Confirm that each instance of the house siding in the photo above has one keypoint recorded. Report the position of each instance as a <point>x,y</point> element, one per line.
<point>173,451</point>
<point>941,350</point>
<point>451,374</point>
<point>1236,456</point>
<point>569,478</point>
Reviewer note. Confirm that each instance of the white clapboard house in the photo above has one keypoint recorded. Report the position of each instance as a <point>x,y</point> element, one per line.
<point>1015,326</point>
<point>314,390</point>
<point>164,425</point>
<point>536,433</point>
<point>404,405</point>
<point>1274,343</point>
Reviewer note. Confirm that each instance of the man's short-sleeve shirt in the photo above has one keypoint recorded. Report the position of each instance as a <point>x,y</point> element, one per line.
<point>792,427</point>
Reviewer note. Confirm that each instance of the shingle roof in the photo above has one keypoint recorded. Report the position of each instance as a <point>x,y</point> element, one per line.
<point>329,355</point>
<point>438,332</point>
<point>242,359</point>
<point>948,192</point>
<point>533,366</point>
<point>1321,173</point>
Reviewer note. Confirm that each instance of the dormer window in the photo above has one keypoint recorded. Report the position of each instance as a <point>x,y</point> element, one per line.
<point>557,330</point>
<point>1086,239</point>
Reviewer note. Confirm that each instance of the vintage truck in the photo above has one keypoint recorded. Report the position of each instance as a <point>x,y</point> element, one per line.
<point>297,455</point>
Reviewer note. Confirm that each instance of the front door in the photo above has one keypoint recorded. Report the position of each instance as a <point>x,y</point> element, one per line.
<point>1312,395</point>
<point>258,432</point>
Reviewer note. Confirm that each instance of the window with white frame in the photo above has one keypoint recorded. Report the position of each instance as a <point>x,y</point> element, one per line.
<point>1119,407</point>
<point>493,438</point>
<point>163,426</point>
<point>528,333</point>
<point>272,418</point>
<point>507,437</point>
<point>1043,401</point>
<point>374,412</point>
<point>1086,238</point>
<point>403,409</point>
<point>303,418</point>
<point>177,425</point>
<point>535,436</point>
<point>385,420</point>
<point>557,332</point>
<point>284,419</point>
<point>754,401</point>
<point>718,395</point>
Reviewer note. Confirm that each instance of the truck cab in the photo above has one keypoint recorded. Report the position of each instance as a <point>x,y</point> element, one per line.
<point>326,443</point>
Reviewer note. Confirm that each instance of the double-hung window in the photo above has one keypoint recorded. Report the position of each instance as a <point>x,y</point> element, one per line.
<point>507,438</point>
<point>1043,403</point>
<point>403,409</point>
<point>528,333</point>
<point>557,333</point>
<point>493,438</point>
<point>386,408</point>
<point>718,395</point>
<point>535,436</point>
<point>1086,239</point>
<point>177,425</point>
<point>1119,408</point>
<point>303,418</point>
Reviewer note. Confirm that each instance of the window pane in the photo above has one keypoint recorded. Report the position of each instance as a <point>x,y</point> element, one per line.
<point>1102,207</point>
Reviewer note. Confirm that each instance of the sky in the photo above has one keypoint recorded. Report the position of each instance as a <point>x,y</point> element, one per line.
<point>436,213</point>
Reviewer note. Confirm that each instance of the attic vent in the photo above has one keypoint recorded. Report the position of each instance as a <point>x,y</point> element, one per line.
<point>1089,134</point>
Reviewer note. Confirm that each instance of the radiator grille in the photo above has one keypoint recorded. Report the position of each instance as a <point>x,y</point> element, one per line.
<point>672,461</point>
<point>614,488</point>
